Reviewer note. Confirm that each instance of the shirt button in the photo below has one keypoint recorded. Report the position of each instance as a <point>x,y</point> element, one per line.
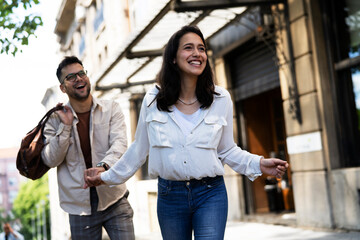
<point>187,183</point>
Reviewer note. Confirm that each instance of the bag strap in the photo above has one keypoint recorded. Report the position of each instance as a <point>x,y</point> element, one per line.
<point>47,115</point>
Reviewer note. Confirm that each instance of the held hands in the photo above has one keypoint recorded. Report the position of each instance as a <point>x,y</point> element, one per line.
<point>273,166</point>
<point>92,177</point>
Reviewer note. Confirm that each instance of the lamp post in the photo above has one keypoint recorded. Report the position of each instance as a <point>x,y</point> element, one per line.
<point>38,221</point>
<point>33,229</point>
<point>44,219</point>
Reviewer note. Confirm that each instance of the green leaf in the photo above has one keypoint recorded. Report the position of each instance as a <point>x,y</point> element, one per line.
<point>20,31</point>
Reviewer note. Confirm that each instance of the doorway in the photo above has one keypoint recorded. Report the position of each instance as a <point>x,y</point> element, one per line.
<point>265,135</point>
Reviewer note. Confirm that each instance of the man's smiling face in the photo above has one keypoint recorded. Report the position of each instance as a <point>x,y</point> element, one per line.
<point>79,89</point>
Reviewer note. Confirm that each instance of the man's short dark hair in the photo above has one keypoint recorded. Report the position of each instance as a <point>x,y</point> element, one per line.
<point>67,61</point>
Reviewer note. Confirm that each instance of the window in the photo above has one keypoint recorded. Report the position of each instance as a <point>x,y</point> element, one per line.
<point>356,86</point>
<point>13,181</point>
<point>82,44</point>
<point>99,16</point>
<point>342,29</point>
<point>12,196</point>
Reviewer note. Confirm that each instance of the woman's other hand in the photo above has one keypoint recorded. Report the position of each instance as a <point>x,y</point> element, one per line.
<point>273,166</point>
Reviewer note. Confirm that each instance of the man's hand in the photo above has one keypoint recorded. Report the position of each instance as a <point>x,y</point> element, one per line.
<point>273,166</point>
<point>66,116</point>
<point>92,177</point>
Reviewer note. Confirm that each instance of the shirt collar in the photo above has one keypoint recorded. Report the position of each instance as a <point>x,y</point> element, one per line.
<point>95,103</point>
<point>220,91</point>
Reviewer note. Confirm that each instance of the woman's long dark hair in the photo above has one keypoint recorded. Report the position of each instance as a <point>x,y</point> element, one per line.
<point>169,75</point>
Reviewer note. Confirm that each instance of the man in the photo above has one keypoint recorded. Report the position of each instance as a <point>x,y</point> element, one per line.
<point>88,132</point>
<point>10,234</point>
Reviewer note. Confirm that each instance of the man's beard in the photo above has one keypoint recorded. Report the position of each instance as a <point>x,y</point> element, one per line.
<point>79,97</point>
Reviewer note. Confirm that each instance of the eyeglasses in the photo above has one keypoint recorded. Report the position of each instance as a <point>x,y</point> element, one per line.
<point>71,77</point>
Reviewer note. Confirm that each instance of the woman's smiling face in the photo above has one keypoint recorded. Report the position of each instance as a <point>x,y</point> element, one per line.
<point>191,55</point>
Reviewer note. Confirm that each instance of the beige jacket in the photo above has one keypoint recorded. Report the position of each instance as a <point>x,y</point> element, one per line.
<point>63,150</point>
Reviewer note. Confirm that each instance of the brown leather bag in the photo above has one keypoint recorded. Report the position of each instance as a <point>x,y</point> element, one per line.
<point>29,161</point>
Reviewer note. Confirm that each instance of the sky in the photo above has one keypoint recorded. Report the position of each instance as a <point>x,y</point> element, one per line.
<point>25,78</point>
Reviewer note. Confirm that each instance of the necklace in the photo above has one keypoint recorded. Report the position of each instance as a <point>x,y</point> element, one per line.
<point>187,103</point>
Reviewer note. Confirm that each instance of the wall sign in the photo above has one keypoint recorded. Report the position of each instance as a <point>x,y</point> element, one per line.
<point>309,142</point>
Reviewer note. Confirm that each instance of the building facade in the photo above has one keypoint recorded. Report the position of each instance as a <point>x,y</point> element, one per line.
<point>10,179</point>
<point>292,68</point>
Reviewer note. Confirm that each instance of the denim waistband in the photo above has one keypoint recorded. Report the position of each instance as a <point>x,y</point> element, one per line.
<point>203,181</point>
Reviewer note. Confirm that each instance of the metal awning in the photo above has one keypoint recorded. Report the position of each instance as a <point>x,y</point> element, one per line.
<point>139,60</point>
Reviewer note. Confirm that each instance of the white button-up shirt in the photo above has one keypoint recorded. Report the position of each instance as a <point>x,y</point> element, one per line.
<point>174,156</point>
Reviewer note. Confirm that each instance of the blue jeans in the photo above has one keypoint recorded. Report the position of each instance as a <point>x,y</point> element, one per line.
<point>195,205</point>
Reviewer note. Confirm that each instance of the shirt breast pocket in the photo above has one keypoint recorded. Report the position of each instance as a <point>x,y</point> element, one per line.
<point>158,130</point>
<point>210,132</point>
<point>101,133</point>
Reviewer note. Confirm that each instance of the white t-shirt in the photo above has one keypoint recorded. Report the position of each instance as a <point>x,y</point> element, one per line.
<point>187,121</point>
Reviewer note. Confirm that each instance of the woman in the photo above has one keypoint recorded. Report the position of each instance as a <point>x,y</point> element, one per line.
<point>185,126</point>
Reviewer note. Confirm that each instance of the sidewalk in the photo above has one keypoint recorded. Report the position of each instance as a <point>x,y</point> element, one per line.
<point>261,231</point>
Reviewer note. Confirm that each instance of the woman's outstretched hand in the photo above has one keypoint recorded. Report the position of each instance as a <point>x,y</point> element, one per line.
<point>92,177</point>
<point>273,166</point>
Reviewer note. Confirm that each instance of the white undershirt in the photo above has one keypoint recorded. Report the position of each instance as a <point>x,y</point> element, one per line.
<point>187,122</point>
